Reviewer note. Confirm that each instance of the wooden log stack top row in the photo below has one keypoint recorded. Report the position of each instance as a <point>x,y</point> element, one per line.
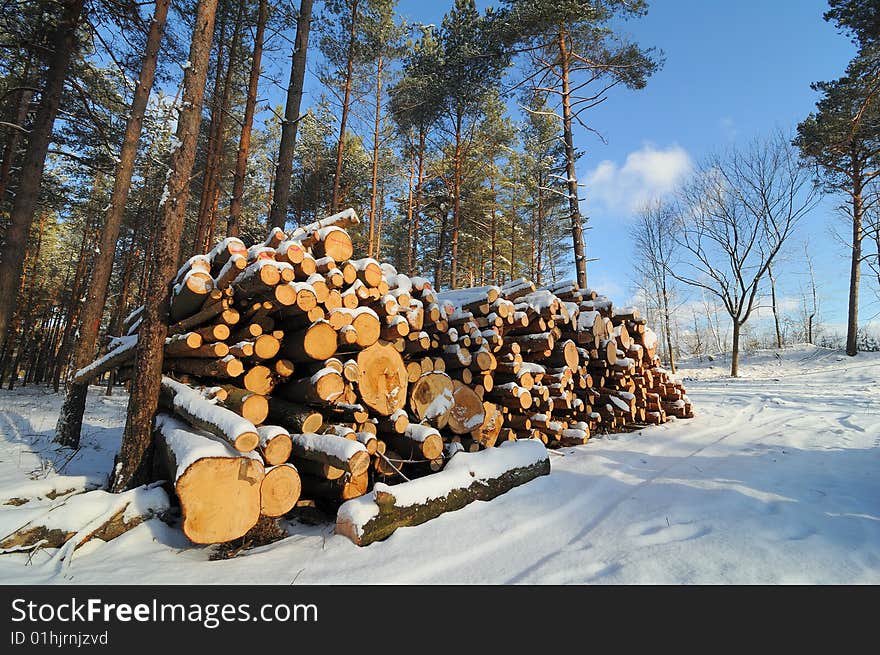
<point>294,370</point>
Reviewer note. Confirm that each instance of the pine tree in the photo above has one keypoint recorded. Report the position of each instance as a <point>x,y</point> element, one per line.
<point>576,57</point>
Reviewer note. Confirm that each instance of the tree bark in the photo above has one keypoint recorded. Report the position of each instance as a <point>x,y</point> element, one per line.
<point>10,149</point>
<point>210,197</point>
<point>410,237</point>
<point>667,322</point>
<point>70,420</point>
<point>577,231</point>
<point>284,169</point>
<point>232,227</point>
<point>774,307</point>
<point>852,322</point>
<point>374,189</point>
<point>417,206</point>
<point>456,204</point>
<point>392,516</point>
<point>133,462</point>
<point>22,215</point>
<point>734,352</point>
<point>346,101</point>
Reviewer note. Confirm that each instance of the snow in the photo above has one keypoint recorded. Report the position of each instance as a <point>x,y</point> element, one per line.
<point>194,263</point>
<point>190,444</point>
<point>440,405</point>
<point>539,300</point>
<point>223,246</point>
<point>125,343</point>
<point>254,269</point>
<point>334,445</point>
<point>462,471</point>
<point>460,297</point>
<point>420,433</point>
<point>195,404</point>
<point>774,482</point>
<point>347,215</point>
<point>231,263</point>
<point>269,432</point>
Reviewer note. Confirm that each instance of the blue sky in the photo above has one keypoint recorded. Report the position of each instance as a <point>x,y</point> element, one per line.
<point>733,71</point>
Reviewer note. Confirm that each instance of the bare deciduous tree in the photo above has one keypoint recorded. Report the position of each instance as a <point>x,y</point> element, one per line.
<point>738,211</point>
<point>653,237</point>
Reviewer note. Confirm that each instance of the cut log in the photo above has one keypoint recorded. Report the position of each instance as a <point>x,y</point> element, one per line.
<point>254,407</point>
<point>467,412</point>
<point>325,386</point>
<point>466,478</point>
<point>218,489</point>
<point>417,442</point>
<point>431,398</point>
<point>396,423</point>
<point>487,433</point>
<point>221,253</point>
<point>121,354</point>
<point>280,489</point>
<point>339,452</point>
<point>228,367</point>
<point>201,413</point>
<point>212,333</point>
<point>275,444</point>
<point>266,346</point>
<point>182,344</point>
<point>259,379</point>
<point>231,270</point>
<point>316,342</point>
<point>189,294</point>
<point>296,418</point>
<point>383,379</point>
<point>345,487</point>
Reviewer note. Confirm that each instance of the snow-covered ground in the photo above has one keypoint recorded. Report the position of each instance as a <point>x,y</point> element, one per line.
<point>777,480</point>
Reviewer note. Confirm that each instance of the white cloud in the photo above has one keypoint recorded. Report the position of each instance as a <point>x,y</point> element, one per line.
<point>646,175</point>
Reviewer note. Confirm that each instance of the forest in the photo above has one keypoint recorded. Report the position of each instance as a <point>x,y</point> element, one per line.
<point>136,136</point>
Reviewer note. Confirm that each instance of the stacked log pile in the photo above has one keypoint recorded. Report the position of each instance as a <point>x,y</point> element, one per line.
<point>294,370</point>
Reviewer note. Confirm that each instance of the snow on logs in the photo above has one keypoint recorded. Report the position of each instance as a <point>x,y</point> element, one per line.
<point>467,477</point>
<point>217,486</point>
<point>325,375</point>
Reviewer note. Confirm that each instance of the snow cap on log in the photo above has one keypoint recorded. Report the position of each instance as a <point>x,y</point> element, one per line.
<point>467,477</point>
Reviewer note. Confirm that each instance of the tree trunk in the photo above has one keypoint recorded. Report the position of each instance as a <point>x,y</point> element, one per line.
<point>410,237</point>
<point>417,208</point>
<point>10,149</point>
<point>284,169</point>
<point>540,262</point>
<point>133,462</point>
<point>346,101</point>
<point>121,304</point>
<point>374,189</point>
<point>80,282</point>
<point>441,246</point>
<point>70,420</point>
<point>493,236</point>
<point>213,170</point>
<point>734,352</point>
<point>232,227</point>
<point>774,307</point>
<point>852,322</point>
<point>667,322</point>
<point>456,204</point>
<point>22,215</point>
<point>577,231</point>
